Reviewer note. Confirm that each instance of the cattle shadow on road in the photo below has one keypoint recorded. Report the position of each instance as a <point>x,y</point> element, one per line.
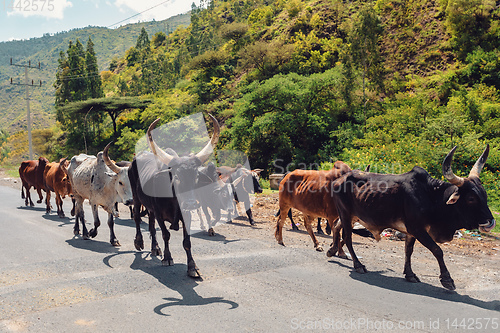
<point>216,238</point>
<point>55,218</point>
<point>399,284</point>
<point>36,209</point>
<point>173,277</point>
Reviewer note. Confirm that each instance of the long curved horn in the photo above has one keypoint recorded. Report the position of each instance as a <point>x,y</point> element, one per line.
<point>476,169</point>
<point>109,163</point>
<point>448,173</point>
<point>157,151</point>
<point>205,153</point>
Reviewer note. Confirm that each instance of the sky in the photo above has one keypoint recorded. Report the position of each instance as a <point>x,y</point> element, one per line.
<point>24,19</point>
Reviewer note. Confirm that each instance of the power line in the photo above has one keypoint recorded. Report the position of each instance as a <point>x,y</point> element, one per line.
<point>27,84</point>
<point>128,18</point>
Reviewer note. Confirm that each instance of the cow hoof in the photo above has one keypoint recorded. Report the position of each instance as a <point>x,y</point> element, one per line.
<point>295,228</point>
<point>448,283</point>
<point>139,244</point>
<point>331,252</point>
<point>194,273</point>
<point>76,232</point>
<point>320,232</point>
<point>93,232</point>
<point>252,222</point>
<point>86,237</point>
<point>343,255</point>
<point>412,278</point>
<point>32,205</point>
<point>115,242</point>
<point>167,262</point>
<point>72,212</point>
<point>62,215</point>
<point>319,248</point>
<point>361,269</point>
<point>211,232</point>
<point>281,243</point>
<point>39,201</point>
<point>156,252</point>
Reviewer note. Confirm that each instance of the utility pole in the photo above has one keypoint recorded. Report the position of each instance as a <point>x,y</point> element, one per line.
<point>27,84</point>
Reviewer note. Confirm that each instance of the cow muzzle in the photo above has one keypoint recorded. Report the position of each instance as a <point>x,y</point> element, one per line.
<point>487,227</point>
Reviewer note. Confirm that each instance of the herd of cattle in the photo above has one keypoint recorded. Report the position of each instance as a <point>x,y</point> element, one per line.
<point>168,187</point>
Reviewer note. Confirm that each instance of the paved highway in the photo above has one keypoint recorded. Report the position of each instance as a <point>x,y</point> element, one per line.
<point>51,281</point>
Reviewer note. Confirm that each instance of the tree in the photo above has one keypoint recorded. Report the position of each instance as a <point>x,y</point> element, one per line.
<point>143,40</point>
<point>61,85</point>
<point>364,38</point>
<point>94,83</point>
<point>113,106</point>
<point>77,72</point>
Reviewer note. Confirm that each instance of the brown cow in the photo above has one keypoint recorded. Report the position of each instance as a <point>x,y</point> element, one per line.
<point>31,174</point>
<point>310,192</point>
<point>56,179</point>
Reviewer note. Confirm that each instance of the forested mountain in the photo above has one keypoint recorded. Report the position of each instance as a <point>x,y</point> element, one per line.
<point>300,83</point>
<point>108,43</point>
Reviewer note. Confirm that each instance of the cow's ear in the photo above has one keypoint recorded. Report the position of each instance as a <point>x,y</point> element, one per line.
<point>453,198</point>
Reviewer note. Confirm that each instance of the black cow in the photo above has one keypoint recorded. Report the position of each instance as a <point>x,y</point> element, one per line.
<point>165,184</point>
<point>426,209</point>
<point>243,182</point>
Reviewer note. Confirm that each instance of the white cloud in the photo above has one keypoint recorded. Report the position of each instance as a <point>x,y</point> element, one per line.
<point>162,12</point>
<point>47,8</point>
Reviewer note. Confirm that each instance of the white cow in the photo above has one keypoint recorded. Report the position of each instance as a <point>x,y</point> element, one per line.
<point>103,183</point>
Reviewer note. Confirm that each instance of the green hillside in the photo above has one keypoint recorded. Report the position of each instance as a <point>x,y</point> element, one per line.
<point>301,83</point>
<point>108,43</point>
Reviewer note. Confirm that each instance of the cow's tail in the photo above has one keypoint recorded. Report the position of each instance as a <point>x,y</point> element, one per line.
<point>277,213</point>
<point>22,192</point>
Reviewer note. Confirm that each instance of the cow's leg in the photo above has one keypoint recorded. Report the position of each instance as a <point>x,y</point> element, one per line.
<point>59,204</point>
<point>347,236</point>
<point>328,228</point>
<point>318,227</point>
<point>248,210</point>
<point>192,270</point>
<point>155,248</point>
<point>337,244</point>
<point>40,196</point>
<point>167,256</point>
<point>28,197</point>
<point>22,192</point>
<point>112,237</point>
<point>212,222</point>
<point>408,272</point>
<point>74,205</point>
<point>426,240</point>
<point>294,226</point>
<point>138,240</point>
<point>80,217</point>
<point>280,222</point>
<point>307,222</point>
<point>97,222</point>
<point>202,223</point>
<point>47,203</point>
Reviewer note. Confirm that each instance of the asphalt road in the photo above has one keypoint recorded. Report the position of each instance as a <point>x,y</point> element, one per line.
<point>51,281</point>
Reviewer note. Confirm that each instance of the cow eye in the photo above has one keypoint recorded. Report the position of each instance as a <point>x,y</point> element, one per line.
<point>120,183</point>
<point>471,200</point>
